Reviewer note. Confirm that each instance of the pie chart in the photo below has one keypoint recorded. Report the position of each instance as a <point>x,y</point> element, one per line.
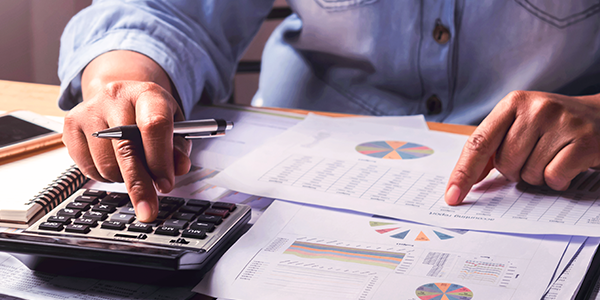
<point>394,150</point>
<point>443,291</point>
<point>414,233</point>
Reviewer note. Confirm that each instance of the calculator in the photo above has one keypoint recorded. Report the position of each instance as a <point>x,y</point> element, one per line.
<point>100,226</point>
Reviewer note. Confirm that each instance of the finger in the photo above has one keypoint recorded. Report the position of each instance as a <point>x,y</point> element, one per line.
<point>545,150</point>
<point>181,153</point>
<point>102,152</point>
<point>154,117</point>
<point>138,182</point>
<point>75,140</point>
<point>486,170</point>
<point>480,147</point>
<point>516,147</point>
<point>132,164</point>
<point>568,163</point>
<point>78,150</point>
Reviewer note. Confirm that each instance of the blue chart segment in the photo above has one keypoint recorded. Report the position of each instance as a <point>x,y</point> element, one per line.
<point>394,150</point>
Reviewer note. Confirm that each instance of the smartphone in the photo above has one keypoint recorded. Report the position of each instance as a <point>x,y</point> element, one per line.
<point>24,131</point>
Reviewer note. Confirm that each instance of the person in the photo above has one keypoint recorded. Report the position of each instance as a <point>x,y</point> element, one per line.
<point>526,72</point>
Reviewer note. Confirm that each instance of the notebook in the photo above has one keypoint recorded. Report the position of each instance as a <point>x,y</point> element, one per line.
<point>34,185</point>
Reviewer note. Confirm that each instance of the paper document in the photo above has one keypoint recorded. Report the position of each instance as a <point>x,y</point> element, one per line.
<point>403,173</point>
<point>567,285</point>
<point>302,252</point>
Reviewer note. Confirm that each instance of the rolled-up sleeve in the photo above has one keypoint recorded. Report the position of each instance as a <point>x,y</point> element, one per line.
<point>197,43</point>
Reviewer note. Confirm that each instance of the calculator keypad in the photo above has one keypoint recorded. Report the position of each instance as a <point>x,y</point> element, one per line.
<point>182,222</point>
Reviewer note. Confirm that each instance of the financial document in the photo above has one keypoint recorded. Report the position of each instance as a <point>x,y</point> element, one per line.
<point>403,173</point>
<point>300,252</point>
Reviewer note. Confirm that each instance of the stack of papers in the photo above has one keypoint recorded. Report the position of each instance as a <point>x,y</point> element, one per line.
<point>362,216</point>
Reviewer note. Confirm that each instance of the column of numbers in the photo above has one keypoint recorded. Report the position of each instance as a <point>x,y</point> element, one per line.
<point>323,175</point>
<point>290,170</point>
<point>358,179</point>
<point>391,186</point>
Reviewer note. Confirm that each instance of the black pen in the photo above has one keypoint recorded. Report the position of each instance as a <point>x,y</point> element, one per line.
<point>196,129</point>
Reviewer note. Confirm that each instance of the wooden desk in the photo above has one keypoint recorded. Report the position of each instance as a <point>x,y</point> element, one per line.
<point>43,99</point>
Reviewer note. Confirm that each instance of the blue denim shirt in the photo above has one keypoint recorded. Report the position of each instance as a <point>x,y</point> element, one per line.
<point>451,60</point>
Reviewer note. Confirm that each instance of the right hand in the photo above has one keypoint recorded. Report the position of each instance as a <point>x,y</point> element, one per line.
<point>142,167</point>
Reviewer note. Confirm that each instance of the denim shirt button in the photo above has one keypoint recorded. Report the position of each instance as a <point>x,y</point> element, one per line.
<point>434,105</point>
<point>441,34</point>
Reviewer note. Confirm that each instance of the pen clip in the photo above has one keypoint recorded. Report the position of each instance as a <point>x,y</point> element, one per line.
<point>203,135</point>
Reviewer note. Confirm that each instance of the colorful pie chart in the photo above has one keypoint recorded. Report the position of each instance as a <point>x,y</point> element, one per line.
<point>394,150</point>
<point>443,291</point>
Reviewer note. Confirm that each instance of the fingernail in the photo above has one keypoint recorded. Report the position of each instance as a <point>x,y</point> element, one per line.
<point>143,211</point>
<point>164,185</point>
<point>452,195</point>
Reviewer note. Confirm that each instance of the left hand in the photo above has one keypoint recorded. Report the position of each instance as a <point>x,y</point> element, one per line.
<point>540,138</point>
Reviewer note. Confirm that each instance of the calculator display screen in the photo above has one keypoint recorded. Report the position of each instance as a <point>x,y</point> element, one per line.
<point>14,130</point>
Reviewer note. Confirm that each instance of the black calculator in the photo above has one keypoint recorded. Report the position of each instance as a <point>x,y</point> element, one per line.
<point>101,227</point>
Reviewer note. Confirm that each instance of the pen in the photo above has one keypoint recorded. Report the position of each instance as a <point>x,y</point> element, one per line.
<point>195,129</point>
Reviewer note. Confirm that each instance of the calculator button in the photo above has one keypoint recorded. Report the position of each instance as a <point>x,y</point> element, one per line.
<point>127,210</point>
<point>163,214</point>
<point>122,218</point>
<point>77,228</point>
<point>96,215</point>
<point>183,216</point>
<point>197,202</point>
<point>114,225</point>
<point>167,207</point>
<point>172,200</point>
<point>86,221</point>
<point>223,213</point>
<point>193,233</point>
<point>155,223</point>
<point>60,219</point>
<point>165,230</point>
<point>94,193</point>
<point>104,208</point>
<point>224,205</point>
<point>53,226</point>
<point>87,199</point>
<point>209,219</point>
<point>178,224</point>
<point>78,205</point>
<point>191,209</point>
<point>70,213</point>
<point>140,227</point>
<point>115,199</point>
<point>208,227</point>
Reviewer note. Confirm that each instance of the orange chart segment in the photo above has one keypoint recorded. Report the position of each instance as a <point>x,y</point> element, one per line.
<point>394,150</point>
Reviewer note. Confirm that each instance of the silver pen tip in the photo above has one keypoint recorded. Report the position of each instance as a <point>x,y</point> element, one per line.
<point>95,134</point>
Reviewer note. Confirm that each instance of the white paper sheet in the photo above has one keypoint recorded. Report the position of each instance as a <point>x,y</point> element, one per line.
<point>337,163</point>
<point>302,252</point>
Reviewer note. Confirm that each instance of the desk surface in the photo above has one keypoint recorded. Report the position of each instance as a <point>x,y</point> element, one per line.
<point>42,99</point>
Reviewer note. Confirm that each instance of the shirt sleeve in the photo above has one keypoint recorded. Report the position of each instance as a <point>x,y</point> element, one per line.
<point>197,43</point>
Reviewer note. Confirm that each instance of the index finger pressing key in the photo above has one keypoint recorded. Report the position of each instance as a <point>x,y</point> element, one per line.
<point>478,150</point>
